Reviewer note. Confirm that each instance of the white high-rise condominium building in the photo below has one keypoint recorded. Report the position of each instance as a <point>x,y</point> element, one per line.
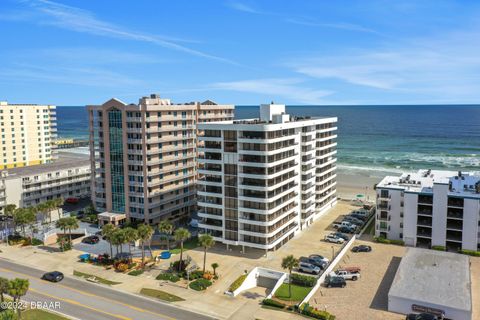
<point>430,208</point>
<point>143,156</point>
<point>26,133</point>
<point>262,180</point>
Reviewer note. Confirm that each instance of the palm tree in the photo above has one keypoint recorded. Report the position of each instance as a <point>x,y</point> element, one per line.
<point>145,233</point>
<point>23,217</point>
<point>3,288</point>
<point>63,224</point>
<point>116,239</point>
<point>166,227</point>
<point>9,210</point>
<point>181,235</point>
<point>72,224</point>
<point>107,231</point>
<point>41,207</point>
<point>17,288</point>
<point>214,267</point>
<point>130,236</point>
<point>289,262</point>
<point>206,241</point>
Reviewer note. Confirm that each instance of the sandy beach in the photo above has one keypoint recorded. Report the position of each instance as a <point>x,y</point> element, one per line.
<point>350,185</point>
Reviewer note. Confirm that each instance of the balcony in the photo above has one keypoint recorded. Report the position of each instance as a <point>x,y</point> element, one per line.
<point>455,202</point>
<point>425,200</point>
<point>424,222</point>
<point>424,210</point>
<point>424,232</point>
<point>454,236</point>
<point>455,214</point>
<point>455,225</point>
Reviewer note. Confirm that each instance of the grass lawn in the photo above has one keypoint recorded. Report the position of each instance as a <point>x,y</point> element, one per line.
<point>187,245</point>
<point>36,314</point>
<point>298,292</point>
<point>162,295</point>
<point>100,280</point>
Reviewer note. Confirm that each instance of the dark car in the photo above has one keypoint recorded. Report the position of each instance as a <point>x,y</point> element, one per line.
<point>345,229</point>
<point>362,248</point>
<point>359,217</point>
<point>332,281</point>
<point>421,316</point>
<point>341,235</point>
<point>54,276</point>
<point>91,239</point>
<point>321,264</point>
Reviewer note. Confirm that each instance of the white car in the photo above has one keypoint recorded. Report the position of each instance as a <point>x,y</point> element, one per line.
<point>334,239</point>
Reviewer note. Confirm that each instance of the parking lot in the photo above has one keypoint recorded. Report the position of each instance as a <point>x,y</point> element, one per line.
<point>366,298</point>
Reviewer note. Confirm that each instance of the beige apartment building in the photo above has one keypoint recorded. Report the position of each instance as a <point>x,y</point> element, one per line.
<point>26,133</point>
<point>143,156</point>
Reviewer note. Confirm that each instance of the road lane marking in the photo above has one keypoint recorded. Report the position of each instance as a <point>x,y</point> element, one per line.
<point>80,304</point>
<point>93,295</point>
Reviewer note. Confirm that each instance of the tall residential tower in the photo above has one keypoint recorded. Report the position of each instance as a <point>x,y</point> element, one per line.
<point>26,134</point>
<point>265,179</point>
<point>144,156</point>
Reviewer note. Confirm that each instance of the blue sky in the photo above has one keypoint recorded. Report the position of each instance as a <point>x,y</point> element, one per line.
<point>241,52</point>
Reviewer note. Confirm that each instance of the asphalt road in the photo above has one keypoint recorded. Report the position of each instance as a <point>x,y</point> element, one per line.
<point>87,301</point>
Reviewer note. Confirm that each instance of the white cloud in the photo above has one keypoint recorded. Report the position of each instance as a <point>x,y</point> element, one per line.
<point>242,7</point>
<point>84,76</point>
<point>80,20</point>
<point>340,25</point>
<point>447,67</point>
<point>273,88</point>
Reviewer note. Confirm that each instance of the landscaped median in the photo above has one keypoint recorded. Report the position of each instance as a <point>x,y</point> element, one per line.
<point>162,295</point>
<point>299,287</point>
<point>93,278</point>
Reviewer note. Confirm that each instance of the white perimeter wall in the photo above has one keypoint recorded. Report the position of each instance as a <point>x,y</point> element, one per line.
<point>404,306</point>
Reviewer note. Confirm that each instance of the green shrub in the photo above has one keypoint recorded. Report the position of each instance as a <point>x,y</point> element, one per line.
<point>168,276</point>
<point>273,303</point>
<point>135,272</point>
<point>439,248</point>
<point>36,242</point>
<point>200,284</point>
<point>307,310</point>
<point>194,275</point>
<point>388,241</point>
<point>14,239</point>
<point>470,252</point>
<point>237,283</point>
<point>302,280</point>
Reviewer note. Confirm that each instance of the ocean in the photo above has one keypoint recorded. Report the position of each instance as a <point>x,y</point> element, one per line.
<point>372,140</point>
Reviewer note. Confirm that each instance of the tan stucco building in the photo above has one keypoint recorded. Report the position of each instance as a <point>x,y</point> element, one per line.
<point>26,133</point>
<point>144,155</point>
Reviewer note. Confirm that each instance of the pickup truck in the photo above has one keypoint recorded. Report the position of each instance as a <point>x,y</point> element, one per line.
<point>347,275</point>
<point>344,224</point>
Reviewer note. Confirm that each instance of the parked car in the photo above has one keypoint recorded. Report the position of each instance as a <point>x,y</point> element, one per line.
<point>353,220</point>
<point>72,200</point>
<point>91,240</point>
<point>347,275</point>
<point>334,239</point>
<point>54,276</point>
<point>352,269</point>
<point>341,235</point>
<point>362,212</point>
<point>359,216</point>
<point>308,268</point>
<point>362,248</point>
<point>319,257</point>
<point>334,281</point>
<point>345,229</point>
<point>317,263</point>
<point>421,316</point>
